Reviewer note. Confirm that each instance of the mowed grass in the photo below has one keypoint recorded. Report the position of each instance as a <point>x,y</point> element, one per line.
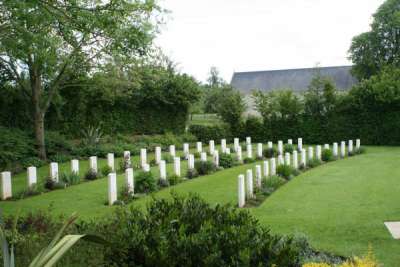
<point>340,206</point>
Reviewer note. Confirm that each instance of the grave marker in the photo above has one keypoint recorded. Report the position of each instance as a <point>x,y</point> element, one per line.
<point>258,176</point>
<point>163,170</point>
<point>191,162</point>
<point>259,150</point>
<point>75,166</point>
<point>273,166</point>
<point>266,168</point>
<point>249,180</point>
<point>203,156</point>
<point>186,150</point>
<point>358,144</point>
<point>318,152</point>
<point>241,191</point>
<point>239,154</point>
<point>110,161</point>
<point>343,149</point>
<point>158,155</point>
<point>93,164</point>
<point>350,146</point>
<point>212,147</point>
<point>310,153</point>
<point>303,158</point>
<point>249,151</point>
<point>172,150</point>
<point>54,171</point>
<point>112,188</point>
<point>32,176</point>
<point>129,180</point>
<point>199,147</point>
<point>295,160</point>
<point>216,158</point>
<point>335,149</point>
<point>177,166</point>
<point>287,159</point>
<point>223,145</point>
<point>300,144</point>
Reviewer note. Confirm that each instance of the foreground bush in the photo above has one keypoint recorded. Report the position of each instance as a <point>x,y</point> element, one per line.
<point>145,182</point>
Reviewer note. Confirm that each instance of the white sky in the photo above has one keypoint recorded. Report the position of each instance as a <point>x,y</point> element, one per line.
<point>248,35</point>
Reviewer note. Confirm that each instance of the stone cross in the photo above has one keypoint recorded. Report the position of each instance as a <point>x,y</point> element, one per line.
<point>199,147</point>
<point>216,158</point>
<point>172,150</point>
<point>186,150</point>
<point>203,156</point>
<point>32,176</point>
<point>280,147</point>
<point>163,170</point>
<point>273,166</point>
<point>258,176</point>
<point>248,140</point>
<point>129,180</point>
<point>250,187</point>
<point>112,188</point>
<point>350,146</point>
<point>343,149</point>
<point>177,166</point>
<point>295,160</point>
<point>300,144</point>
<point>290,141</point>
<point>318,152</point>
<point>146,167</point>
<point>259,150</point>
<point>335,149</point>
<point>270,145</point>
<point>266,168</point>
<point>191,162</point>
<point>143,157</point>
<point>239,154</point>
<point>241,191</point>
<point>249,151</point>
<point>75,166</point>
<point>310,153</point>
<point>223,145</point>
<point>54,171</point>
<point>110,161</point>
<point>358,144</point>
<point>303,159</point>
<point>236,144</point>
<point>287,158</point>
<point>6,189</point>
<point>158,155</point>
<point>93,164</point>
<point>211,147</point>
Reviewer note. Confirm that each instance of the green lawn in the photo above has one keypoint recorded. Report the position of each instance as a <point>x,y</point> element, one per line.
<point>340,206</point>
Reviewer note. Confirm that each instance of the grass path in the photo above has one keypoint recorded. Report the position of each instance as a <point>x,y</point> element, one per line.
<point>340,206</point>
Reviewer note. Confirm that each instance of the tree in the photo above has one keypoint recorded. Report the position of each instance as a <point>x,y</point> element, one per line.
<point>214,80</point>
<point>42,41</point>
<point>373,50</point>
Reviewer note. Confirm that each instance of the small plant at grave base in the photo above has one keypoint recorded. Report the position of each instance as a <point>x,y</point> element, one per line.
<point>249,160</point>
<point>32,190</point>
<point>270,153</point>
<point>360,150</point>
<point>161,183</point>
<point>174,179</point>
<point>196,155</point>
<point>204,167</point>
<point>327,155</point>
<point>126,195</point>
<point>105,170</point>
<point>285,171</point>
<point>271,184</point>
<point>192,173</point>
<point>70,179</point>
<point>288,148</point>
<point>153,163</point>
<point>50,184</point>
<point>227,161</point>
<point>314,163</point>
<point>125,164</point>
<point>145,182</point>
<point>351,153</point>
<point>302,167</point>
<point>91,175</point>
<point>168,158</point>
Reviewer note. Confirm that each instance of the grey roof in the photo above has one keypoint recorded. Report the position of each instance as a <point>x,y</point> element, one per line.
<point>294,79</point>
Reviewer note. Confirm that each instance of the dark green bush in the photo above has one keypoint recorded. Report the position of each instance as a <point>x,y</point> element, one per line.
<point>168,158</point>
<point>105,170</point>
<point>361,150</point>
<point>227,160</point>
<point>50,184</point>
<point>125,195</point>
<point>270,152</point>
<point>248,160</point>
<point>91,175</point>
<point>204,167</point>
<point>57,143</point>
<point>161,183</point>
<point>285,171</point>
<point>70,178</point>
<point>32,161</point>
<point>327,155</point>
<point>174,179</point>
<point>314,163</point>
<point>192,173</point>
<point>205,133</point>
<point>60,158</point>
<point>287,148</point>
<point>272,183</point>
<point>145,182</point>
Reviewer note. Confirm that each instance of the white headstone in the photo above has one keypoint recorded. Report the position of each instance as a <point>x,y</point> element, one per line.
<point>143,156</point>
<point>290,141</point>
<point>248,140</point>
<point>258,176</point>
<point>211,146</point>
<point>295,160</point>
<point>266,168</point>
<point>241,191</point>
<point>281,160</point>
<point>318,152</point>
<point>54,171</point>
<point>6,189</point>
<point>236,144</point>
<point>191,162</point>
<point>199,147</point>
<point>358,144</point>
<point>223,145</point>
<point>287,158</point>
<point>249,181</point>
<point>127,159</point>
<point>249,151</point>
<point>129,180</point>
<point>112,188</point>
<point>343,149</point>
<point>335,149</point>
<point>75,166</point>
<point>326,146</point>
<point>32,176</point>
<point>239,154</point>
<point>270,145</point>
<point>158,155</point>
<point>110,161</point>
<point>146,167</point>
<point>216,158</point>
<point>172,150</point>
<point>228,151</point>
<point>303,159</point>
<point>280,147</point>
<point>186,150</point>
<point>203,156</point>
<point>259,150</point>
<point>350,146</point>
<point>163,170</point>
<point>300,144</point>
<point>93,163</point>
<point>310,153</point>
<point>273,166</point>
<point>177,166</point>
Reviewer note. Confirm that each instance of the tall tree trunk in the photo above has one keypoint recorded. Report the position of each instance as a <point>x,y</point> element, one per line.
<point>39,134</point>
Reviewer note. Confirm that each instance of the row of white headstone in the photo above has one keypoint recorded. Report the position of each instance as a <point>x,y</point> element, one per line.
<point>246,183</point>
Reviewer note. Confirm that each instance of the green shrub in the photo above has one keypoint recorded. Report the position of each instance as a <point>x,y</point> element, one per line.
<point>270,152</point>
<point>70,179</point>
<point>91,175</point>
<point>314,163</point>
<point>196,155</point>
<point>60,158</point>
<point>125,195</point>
<point>161,183</point>
<point>50,184</point>
<point>285,171</point>
<point>174,179</point>
<point>33,190</point>
<point>168,158</point>
<point>205,133</point>
<point>145,182</point>
<point>272,183</point>
<point>105,170</point>
<point>227,160</point>
<point>32,161</point>
<point>327,155</point>
<point>288,148</point>
<point>192,173</point>
<point>248,160</point>
<point>204,167</point>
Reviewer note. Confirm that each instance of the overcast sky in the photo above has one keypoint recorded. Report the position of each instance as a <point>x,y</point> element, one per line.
<point>249,35</point>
